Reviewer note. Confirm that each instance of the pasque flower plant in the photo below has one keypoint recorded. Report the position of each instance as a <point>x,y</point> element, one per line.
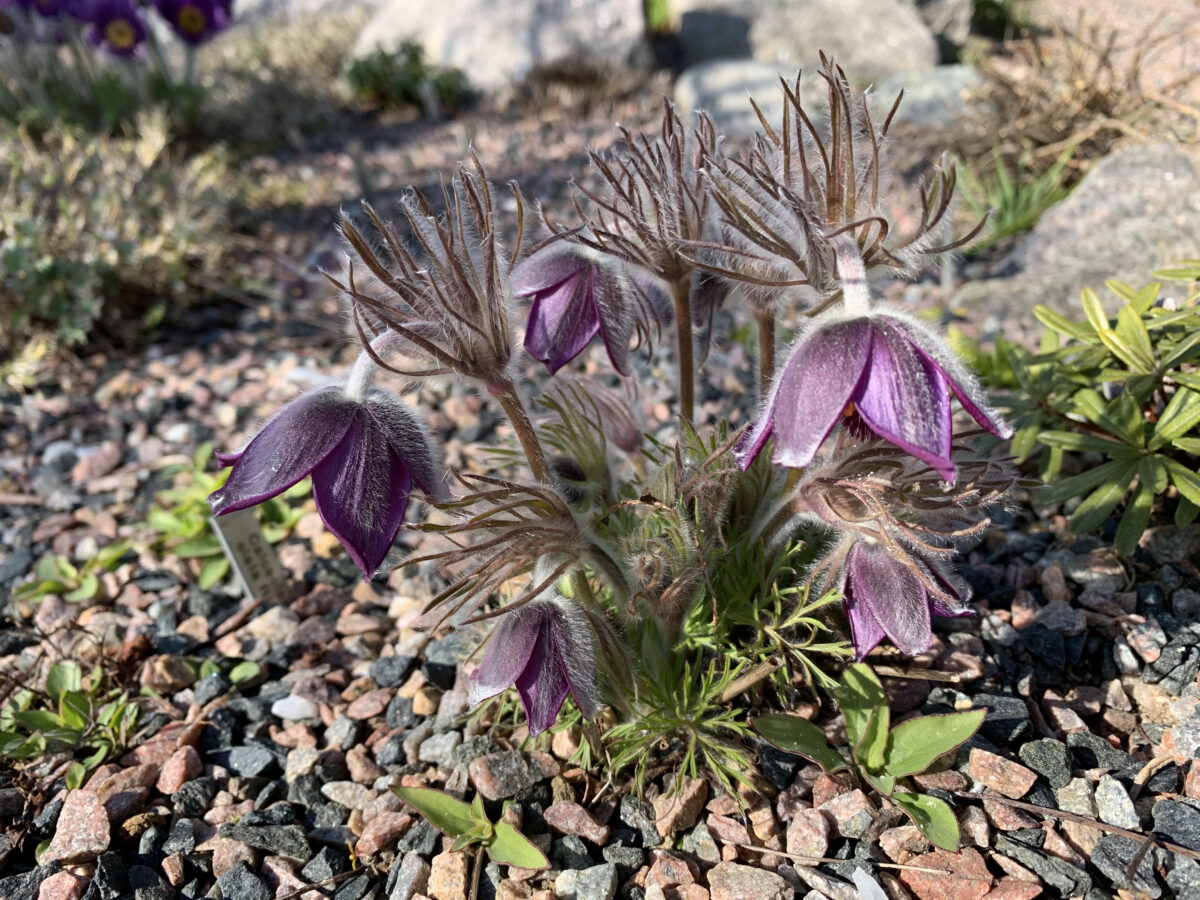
<point>673,579</point>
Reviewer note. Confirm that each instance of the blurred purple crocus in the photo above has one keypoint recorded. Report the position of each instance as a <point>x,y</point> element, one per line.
<point>884,373</point>
<point>364,459</point>
<point>117,26</point>
<point>195,21</point>
<point>546,649</point>
<point>885,597</point>
<point>577,293</point>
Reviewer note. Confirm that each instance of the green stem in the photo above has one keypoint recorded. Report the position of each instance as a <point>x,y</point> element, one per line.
<point>510,401</point>
<point>582,588</point>
<point>766,353</point>
<point>681,294</point>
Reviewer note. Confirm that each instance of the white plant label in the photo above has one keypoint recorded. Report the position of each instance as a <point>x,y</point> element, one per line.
<point>253,559</point>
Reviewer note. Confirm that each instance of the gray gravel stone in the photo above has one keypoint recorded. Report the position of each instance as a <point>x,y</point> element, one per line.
<point>1093,752</point>
<point>1068,879</point>
<point>409,876</point>
<point>250,761</point>
<point>699,842</point>
<point>627,859</point>
<point>593,883</point>
<point>278,840</point>
<point>1113,804</point>
<point>243,883</point>
<point>26,885</point>
<point>439,749</point>
<point>1049,758</point>
<point>390,671</point>
<point>1112,855</point>
<point>1179,821</point>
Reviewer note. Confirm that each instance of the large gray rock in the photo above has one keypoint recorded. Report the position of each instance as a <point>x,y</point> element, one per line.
<point>949,20</point>
<point>496,44</point>
<point>1138,209</point>
<point>871,39</point>
<point>723,88</point>
<point>936,98</point>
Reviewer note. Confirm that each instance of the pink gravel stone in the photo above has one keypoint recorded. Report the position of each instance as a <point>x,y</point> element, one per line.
<point>369,705</point>
<point>182,766</point>
<point>571,818</point>
<point>82,833</point>
<point>808,835</point>
<point>382,832</point>
<point>730,881</point>
<point>679,810</point>
<point>1002,775</point>
<point>63,886</point>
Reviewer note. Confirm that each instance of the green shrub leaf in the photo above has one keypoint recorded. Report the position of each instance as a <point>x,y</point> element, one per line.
<point>511,848</point>
<point>913,746</point>
<point>934,817</point>
<point>793,734</point>
<point>858,696</point>
<point>447,814</point>
<point>1101,502</point>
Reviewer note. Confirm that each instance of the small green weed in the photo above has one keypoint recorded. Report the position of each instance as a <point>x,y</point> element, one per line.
<point>880,755</point>
<point>403,77</point>
<point>469,825</point>
<point>1012,198</point>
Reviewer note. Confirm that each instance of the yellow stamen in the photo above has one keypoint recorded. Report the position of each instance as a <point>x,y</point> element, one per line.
<point>192,20</point>
<point>120,34</point>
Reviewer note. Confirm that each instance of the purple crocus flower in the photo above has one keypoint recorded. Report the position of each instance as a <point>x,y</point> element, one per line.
<point>364,459</point>
<point>885,597</point>
<point>117,26</point>
<point>577,293</point>
<point>195,21</point>
<point>885,373</point>
<point>546,649</point>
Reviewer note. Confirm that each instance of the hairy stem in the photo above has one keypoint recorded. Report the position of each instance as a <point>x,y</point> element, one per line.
<point>514,408</point>
<point>362,375</point>
<point>856,295</point>
<point>766,353</point>
<point>681,294</point>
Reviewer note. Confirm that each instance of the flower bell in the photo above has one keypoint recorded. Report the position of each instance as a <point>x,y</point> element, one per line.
<point>117,26</point>
<point>883,372</point>
<point>883,597</point>
<point>577,293</point>
<point>546,649</point>
<point>364,458</point>
<point>195,21</point>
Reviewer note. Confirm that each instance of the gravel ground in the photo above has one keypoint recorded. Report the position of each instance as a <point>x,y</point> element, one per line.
<point>278,787</point>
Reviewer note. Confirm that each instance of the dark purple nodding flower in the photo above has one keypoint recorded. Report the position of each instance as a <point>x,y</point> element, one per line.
<point>195,21</point>
<point>884,372</point>
<point>883,597</point>
<point>117,26</point>
<point>546,649</point>
<point>364,459</point>
<point>577,293</point>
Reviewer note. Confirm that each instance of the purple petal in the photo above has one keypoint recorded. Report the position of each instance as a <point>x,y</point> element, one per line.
<point>548,268</point>
<point>612,293</point>
<point>751,443</point>
<point>508,652</point>
<point>225,460</point>
<point>905,401</point>
<point>562,321</point>
<point>361,490</point>
<point>410,441</point>
<point>954,605</point>
<point>542,684</point>
<point>892,595</point>
<point>964,385</point>
<point>865,632</point>
<point>290,446</point>
<point>576,653</point>
<point>815,386</point>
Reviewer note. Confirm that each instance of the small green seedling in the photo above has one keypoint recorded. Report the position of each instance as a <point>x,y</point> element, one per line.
<point>879,754</point>
<point>468,824</point>
<point>57,575</point>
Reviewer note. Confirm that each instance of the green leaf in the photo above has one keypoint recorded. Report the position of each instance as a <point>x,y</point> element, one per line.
<point>795,735</point>
<point>38,720</point>
<point>109,556</point>
<point>63,676</point>
<point>1132,331</point>
<point>913,746</point>
<point>1185,512</point>
<point>1184,479</point>
<point>208,667</point>
<point>883,783</point>
<point>447,814</point>
<point>1062,324</point>
<point>204,545</point>
<point>1083,443</point>
<point>213,571</point>
<point>1101,502</point>
<point>75,710</point>
<point>244,671</point>
<point>49,568</point>
<point>858,694</point>
<point>478,813</point>
<point>1152,472</point>
<point>89,585</point>
<point>1077,484</point>
<point>1134,520</point>
<point>76,773</point>
<point>1188,445</point>
<point>870,748</point>
<point>1180,416</point>
<point>933,816</point>
<point>163,522</point>
<point>511,848</point>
